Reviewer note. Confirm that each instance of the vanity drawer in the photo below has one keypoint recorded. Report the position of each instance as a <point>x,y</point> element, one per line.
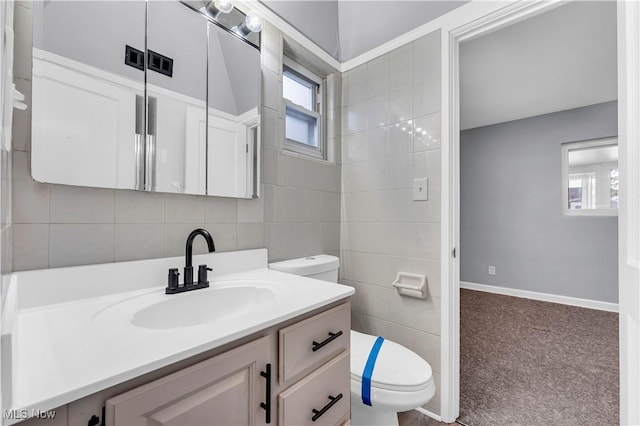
<point>310,343</point>
<point>322,398</point>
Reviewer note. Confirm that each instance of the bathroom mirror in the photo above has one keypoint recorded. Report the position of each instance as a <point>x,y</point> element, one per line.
<point>118,106</point>
<point>590,177</point>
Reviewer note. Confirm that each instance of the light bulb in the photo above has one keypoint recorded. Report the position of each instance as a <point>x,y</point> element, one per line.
<point>254,22</point>
<point>224,6</point>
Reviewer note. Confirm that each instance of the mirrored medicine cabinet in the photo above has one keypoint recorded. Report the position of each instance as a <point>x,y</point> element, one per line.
<point>145,95</point>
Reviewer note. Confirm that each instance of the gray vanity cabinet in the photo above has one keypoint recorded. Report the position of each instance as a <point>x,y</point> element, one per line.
<point>225,390</point>
<point>308,384</point>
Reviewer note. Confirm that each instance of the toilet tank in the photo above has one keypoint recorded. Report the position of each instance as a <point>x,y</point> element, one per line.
<point>321,267</point>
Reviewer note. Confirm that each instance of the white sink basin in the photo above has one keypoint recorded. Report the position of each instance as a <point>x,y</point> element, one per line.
<point>221,301</point>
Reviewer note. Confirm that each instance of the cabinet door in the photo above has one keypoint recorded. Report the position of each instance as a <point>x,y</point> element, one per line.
<point>225,390</point>
<point>176,90</point>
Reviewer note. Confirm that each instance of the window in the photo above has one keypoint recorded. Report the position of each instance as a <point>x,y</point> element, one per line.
<point>590,177</point>
<point>302,94</point>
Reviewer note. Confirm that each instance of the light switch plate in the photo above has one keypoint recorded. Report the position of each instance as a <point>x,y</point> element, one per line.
<point>421,189</point>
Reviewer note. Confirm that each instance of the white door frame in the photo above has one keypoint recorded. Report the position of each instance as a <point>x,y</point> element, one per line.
<point>629,214</point>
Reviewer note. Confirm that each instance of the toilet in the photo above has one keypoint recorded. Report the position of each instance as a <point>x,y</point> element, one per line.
<point>401,380</point>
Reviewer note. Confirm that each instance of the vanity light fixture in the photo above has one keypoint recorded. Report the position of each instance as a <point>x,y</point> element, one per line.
<point>252,23</point>
<point>216,7</point>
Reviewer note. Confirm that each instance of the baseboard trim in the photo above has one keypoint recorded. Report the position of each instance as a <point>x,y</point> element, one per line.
<point>544,297</point>
<point>428,413</point>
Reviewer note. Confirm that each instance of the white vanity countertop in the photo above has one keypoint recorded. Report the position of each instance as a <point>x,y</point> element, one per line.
<point>62,351</point>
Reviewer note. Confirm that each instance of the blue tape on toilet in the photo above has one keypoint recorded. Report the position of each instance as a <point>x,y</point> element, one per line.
<point>368,371</point>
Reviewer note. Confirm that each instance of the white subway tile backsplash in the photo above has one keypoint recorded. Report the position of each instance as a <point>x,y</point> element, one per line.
<point>269,165</point>
<point>427,133</point>
<point>368,324</point>
<point>76,204</point>
<point>291,240</point>
<point>355,118</point>
<point>251,210</point>
<point>381,270</point>
<point>21,166</point>
<point>224,235</point>
<point>419,240</point>
<point>401,138</point>
<point>401,66</point>
<point>271,128</point>
<point>330,175</point>
<point>378,76</point>
<point>355,148</point>
<point>271,90</point>
<point>80,244</point>
<point>377,111</point>
<point>373,300</point>
<point>426,97</point>
<point>401,104</point>
<point>400,171</point>
<point>181,208</point>
<point>220,210</point>
<point>426,57</point>
<point>330,237</point>
<point>377,142</point>
<point>420,314</point>
<point>139,207</point>
<point>139,241</point>
<point>30,202</point>
<point>355,87</point>
<point>250,236</point>
<point>30,246</point>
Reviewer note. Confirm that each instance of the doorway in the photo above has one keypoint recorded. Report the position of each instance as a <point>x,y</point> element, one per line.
<point>628,19</point>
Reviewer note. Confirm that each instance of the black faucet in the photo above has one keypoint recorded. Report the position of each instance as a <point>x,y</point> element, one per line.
<point>173,286</point>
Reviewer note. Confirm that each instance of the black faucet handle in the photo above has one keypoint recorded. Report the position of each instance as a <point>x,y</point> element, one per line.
<point>173,279</point>
<point>202,274</point>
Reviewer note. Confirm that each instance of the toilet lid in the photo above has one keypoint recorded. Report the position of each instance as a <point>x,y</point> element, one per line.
<point>396,368</point>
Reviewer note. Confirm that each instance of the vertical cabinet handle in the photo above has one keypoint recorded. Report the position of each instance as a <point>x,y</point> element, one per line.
<point>138,148</point>
<point>332,337</point>
<point>267,405</point>
<point>332,401</point>
<point>150,145</point>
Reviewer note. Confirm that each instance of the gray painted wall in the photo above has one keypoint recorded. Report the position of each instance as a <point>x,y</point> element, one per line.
<point>511,208</point>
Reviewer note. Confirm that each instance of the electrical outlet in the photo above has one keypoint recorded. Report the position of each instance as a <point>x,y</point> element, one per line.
<point>491,270</point>
<point>421,189</point>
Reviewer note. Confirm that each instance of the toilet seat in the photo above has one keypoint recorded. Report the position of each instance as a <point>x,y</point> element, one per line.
<point>397,368</point>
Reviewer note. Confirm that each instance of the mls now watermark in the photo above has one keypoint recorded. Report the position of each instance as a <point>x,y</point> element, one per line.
<point>22,414</point>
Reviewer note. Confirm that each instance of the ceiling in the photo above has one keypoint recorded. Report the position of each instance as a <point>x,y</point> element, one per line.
<point>348,28</point>
<point>559,60</point>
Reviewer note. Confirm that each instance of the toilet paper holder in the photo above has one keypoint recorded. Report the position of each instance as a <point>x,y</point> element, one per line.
<point>411,285</point>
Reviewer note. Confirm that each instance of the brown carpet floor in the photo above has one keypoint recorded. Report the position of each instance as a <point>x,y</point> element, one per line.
<point>525,362</point>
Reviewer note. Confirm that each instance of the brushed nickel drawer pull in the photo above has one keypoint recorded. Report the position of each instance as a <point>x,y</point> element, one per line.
<point>332,402</point>
<point>332,337</point>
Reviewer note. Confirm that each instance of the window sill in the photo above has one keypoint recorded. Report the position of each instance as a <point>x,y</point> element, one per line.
<point>289,153</point>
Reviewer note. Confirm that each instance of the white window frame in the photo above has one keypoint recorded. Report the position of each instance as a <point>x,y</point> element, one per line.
<point>566,147</point>
<point>318,113</point>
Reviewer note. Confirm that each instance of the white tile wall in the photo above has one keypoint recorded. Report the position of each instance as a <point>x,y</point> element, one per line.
<point>57,225</point>
<point>390,139</point>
